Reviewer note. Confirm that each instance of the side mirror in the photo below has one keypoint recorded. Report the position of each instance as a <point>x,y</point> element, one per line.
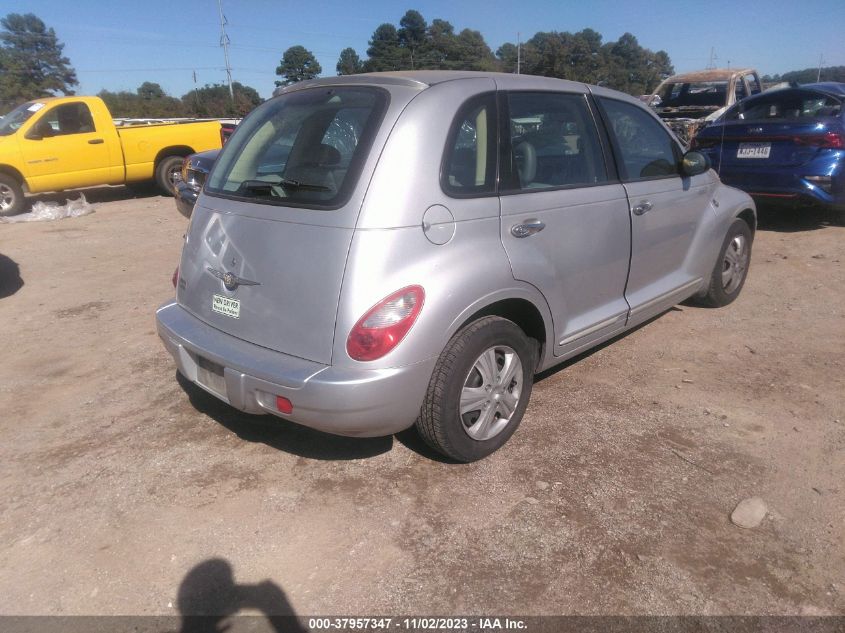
<point>694,163</point>
<point>32,135</point>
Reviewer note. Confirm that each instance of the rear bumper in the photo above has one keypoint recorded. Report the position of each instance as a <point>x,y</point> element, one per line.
<point>343,401</point>
<point>794,184</point>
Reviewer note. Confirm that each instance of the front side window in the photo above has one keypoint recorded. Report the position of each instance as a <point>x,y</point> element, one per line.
<point>554,142</point>
<point>645,148</point>
<point>469,163</point>
<point>66,119</point>
<point>304,148</point>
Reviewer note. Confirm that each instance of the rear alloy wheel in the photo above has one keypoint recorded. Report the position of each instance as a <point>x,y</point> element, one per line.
<point>168,173</point>
<point>479,390</point>
<point>731,269</point>
<point>11,195</point>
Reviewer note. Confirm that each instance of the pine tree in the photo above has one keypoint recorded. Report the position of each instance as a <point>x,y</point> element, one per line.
<point>31,61</point>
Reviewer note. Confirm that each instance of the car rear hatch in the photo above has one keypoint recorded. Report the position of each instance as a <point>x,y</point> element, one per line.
<point>266,249</point>
<point>770,145</point>
<point>782,129</point>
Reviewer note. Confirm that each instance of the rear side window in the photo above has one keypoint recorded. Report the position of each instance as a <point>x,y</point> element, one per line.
<point>553,141</point>
<point>643,146</point>
<point>469,162</point>
<point>753,84</point>
<point>303,149</point>
<point>700,94</point>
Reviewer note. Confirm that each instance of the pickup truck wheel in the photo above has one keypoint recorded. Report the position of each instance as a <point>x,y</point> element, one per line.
<point>479,390</point>
<point>731,268</point>
<point>11,195</point>
<point>168,173</point>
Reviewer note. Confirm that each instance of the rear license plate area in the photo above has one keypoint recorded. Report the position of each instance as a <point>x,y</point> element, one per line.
<point>754,150</point>
<point>210,375</point>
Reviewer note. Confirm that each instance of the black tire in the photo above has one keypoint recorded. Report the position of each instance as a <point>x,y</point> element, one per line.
<point>441,424</point>
<point>719,292</point>
<point>166,170</point>
<point>12,200</point>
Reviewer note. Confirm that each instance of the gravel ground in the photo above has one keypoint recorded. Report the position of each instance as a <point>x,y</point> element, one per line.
<point>125,491</point>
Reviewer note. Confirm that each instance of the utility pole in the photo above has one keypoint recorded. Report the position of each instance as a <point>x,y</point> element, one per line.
<point>518,52</point>
<point>821,61</point>
<point>713,57</point>
<point>224,42</point>
<point>196,92</point>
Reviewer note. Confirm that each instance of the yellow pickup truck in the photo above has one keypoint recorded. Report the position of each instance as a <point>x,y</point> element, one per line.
<point>62,143</point>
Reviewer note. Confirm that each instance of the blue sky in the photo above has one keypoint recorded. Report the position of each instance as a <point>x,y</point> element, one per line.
<point>118,44</point>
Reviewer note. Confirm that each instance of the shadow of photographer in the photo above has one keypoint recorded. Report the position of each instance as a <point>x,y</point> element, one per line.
<point>10,277</point>
<point>209,600</point>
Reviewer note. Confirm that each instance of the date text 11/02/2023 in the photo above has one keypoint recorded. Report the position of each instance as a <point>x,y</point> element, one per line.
<point>479,624</point>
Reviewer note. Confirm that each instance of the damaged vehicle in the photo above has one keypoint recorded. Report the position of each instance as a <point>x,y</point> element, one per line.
<point>689,101</point>
<point>379,251</point>
<point>784,147</point>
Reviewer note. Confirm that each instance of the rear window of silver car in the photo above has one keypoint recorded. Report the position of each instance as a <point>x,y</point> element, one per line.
<point>302,149</point>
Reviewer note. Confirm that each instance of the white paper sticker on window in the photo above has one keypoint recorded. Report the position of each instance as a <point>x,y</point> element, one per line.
<point>35,107</point>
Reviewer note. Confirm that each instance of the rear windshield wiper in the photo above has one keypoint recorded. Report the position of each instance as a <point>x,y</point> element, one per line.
<point>298,184</point>
<point>266,186</point>
<point>259,186</point>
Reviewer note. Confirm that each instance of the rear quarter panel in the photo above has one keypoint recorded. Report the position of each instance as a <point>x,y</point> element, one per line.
<point>389,249</point>
<point>460,278</point>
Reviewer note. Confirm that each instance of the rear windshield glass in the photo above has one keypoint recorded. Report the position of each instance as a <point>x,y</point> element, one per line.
<point>700,93</point>
<point>303,149</point>
<point>786,105</point>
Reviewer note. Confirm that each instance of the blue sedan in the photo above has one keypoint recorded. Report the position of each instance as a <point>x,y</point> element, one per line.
<point>783,145</point>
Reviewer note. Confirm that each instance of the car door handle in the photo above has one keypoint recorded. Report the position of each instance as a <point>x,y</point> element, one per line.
<point>529,227</point>
<point>96,141</point>
<point>643,207</point>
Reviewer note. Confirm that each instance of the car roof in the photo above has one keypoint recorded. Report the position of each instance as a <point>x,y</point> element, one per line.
<point>831,87</point>
<point>812,89</point>
<point>422,79</point>
<point>713,74</point>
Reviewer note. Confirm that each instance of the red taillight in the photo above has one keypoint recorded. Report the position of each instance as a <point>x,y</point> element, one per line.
<point>385,325</point>
<point>830,140</point>
<point>175,277</point>
<point>284,405</point>
<point>226,130</point>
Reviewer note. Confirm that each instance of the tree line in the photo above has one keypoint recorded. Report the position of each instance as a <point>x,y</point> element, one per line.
<point>414,44</point>
<point>809,75</point>
<point>150,101</point>
<point>32,65</point>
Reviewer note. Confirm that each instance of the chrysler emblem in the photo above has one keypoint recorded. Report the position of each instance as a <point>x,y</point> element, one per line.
<point>231,280</point>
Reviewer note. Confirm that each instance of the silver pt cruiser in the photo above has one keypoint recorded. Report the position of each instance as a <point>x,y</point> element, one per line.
<point>376,251</point>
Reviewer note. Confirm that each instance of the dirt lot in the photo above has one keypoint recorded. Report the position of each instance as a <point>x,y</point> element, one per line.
<point>117,481</point>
